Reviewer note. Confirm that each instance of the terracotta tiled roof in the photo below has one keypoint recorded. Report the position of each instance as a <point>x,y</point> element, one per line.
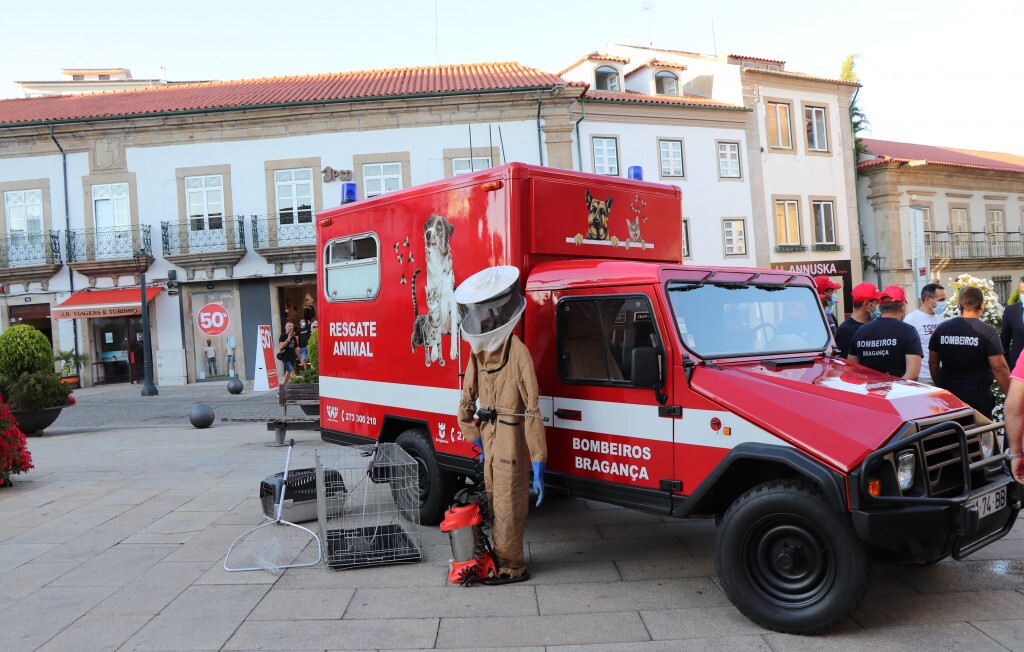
<point>799,75</point>
<point>908,153</point>
<point>632,97</point>
<point>656,63</point>
<point>461,78</point>
<point>744,57</point>
<point>594,56</point>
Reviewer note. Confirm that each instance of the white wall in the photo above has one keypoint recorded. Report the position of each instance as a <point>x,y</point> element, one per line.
<point>706,198</point>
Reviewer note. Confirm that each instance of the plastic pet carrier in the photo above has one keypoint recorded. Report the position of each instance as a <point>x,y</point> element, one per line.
<point>299,495</point>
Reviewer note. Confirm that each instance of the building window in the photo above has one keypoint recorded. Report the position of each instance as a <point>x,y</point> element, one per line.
<point>729,160</point>
<point>787,222</point>
<point>205,199</point>
<point>352,269</point>
<point>606,156</point>
<point>379,178</point>
<point>77,77</point>
<point>465,164</point>
<point>110,206</point>
<point>104,77</point>
<point>734,237</point>
<point>824,222</point>
<point>686,238</point>
<point>780,129</point>
<point>666,83</point>
<point>596,337</point>
<point>959,232</point>
<point>817,128</point>
<point>671,158</point>
<point>24,212</point>
<point>606,78</point>
<point>294,190</point>
<point>1001,285</point>
<point>996,232</point>
<point>926,221</point>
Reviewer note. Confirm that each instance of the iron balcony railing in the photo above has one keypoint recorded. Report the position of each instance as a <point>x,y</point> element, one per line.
<point>24,249</point>
<point>972,244</point>
<point>108,243</point>
<point>287,229</point>
<point>203,235</point>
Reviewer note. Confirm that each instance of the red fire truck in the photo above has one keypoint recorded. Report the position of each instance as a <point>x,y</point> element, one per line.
<point>677,389</point>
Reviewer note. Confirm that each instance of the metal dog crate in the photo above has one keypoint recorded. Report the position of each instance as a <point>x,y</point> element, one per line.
<point>299,495</point>
<point>375,521</point>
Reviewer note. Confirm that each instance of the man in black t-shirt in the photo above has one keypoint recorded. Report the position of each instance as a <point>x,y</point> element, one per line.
<point>865,301</point>
<point>288,345</point>
<point>966,355</point>
<point>887,344</point>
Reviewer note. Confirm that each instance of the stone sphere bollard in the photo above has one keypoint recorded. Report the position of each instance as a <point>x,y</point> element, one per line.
<point>235,385</point>
<point>201,415</point>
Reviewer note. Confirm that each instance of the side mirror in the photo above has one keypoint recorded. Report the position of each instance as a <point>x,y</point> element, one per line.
<point>645,370</point>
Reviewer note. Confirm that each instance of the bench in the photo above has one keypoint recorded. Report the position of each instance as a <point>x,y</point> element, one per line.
<point>301,394</point>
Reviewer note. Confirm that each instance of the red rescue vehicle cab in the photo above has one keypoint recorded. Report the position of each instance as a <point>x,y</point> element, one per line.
<point>676,389</point>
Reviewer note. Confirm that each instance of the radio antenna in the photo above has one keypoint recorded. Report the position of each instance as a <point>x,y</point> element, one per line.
<point>650,22</point>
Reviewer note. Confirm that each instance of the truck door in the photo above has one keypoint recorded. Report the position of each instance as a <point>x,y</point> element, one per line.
<point>608,438</point>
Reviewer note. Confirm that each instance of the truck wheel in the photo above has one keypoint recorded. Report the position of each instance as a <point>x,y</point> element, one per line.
<point>436,487</point>
<point>788,560</point>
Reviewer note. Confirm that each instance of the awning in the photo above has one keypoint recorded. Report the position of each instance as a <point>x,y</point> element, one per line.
<point>104,303</point>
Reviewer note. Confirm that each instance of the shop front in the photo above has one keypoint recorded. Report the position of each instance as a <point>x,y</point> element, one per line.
<point>837,270</point>
<point>215,335</point>
<point>113,328</point>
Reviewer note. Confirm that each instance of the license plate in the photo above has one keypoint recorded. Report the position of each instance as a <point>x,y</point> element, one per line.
<point>991,502</point>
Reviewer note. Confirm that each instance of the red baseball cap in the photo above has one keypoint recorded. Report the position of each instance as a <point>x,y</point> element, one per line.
<point>825,283</point>
<point>865,292</point>
<point>892,294</point>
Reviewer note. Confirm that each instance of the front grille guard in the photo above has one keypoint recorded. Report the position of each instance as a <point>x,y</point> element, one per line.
<point>914,442</point>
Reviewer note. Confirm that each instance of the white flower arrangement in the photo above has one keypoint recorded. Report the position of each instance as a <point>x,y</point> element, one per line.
<point>991,313</point>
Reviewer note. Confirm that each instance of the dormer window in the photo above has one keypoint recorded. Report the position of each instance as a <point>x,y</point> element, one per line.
<point>666,83</point>
<point>606,78</point>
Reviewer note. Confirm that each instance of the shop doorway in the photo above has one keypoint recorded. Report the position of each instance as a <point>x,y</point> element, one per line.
<point>117,353</point>
<point>36,315</point>
<point>296,302</point>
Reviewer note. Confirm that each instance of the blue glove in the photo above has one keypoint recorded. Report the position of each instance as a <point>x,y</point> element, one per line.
<point>479,445</point>
<point>538,481</point>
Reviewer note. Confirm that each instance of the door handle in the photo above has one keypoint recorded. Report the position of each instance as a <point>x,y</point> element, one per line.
<point>569,415</point>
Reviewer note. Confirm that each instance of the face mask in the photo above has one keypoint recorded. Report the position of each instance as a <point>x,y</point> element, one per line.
<point>831,302</point>
<point>940,307</point>
<point>876,313</point>
<point>302,324</point>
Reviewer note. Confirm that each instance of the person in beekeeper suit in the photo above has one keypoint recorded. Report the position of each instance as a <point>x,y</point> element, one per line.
<point>510,428</point>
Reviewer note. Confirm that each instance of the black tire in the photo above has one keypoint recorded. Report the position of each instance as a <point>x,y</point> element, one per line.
<point>437,487</point>
<point>788,560</point>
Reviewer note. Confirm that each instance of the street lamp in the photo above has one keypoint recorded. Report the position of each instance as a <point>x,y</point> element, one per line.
<point>142,261</point>
<point>877,261</point>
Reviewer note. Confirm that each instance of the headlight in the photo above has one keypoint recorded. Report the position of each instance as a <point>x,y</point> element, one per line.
<point>905,470</point>
<point>988,443</point>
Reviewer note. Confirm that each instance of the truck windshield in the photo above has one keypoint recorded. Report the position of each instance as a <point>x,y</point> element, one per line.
<point>721,321</point>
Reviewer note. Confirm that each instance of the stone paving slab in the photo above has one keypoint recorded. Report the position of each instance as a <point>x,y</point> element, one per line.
<point>201,618</point>
<point>334,634</point>
<point>540,630</point>
<point>96,632</point>
<point>911,638</point>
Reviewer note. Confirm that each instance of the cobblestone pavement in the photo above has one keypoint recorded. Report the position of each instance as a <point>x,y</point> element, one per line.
<point>116,539</point>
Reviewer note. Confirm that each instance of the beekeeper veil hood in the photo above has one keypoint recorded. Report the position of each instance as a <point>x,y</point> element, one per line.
<point>491,303</point>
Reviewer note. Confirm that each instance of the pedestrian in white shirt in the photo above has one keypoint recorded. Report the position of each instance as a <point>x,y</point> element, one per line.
<point>925,319</point>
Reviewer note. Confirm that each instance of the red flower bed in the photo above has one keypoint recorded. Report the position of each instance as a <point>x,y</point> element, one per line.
<point>14,455</point>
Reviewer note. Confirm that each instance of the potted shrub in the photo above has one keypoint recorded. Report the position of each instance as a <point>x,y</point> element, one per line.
<point>28,381</point>
<point>311,374</point>
<point>14,455</point>
<point>71,362</point>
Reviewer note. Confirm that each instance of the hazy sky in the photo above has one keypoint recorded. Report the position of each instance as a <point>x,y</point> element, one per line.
<point>939,72</point>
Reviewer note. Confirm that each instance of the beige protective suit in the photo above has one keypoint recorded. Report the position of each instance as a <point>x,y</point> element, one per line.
<point>510,444</point>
